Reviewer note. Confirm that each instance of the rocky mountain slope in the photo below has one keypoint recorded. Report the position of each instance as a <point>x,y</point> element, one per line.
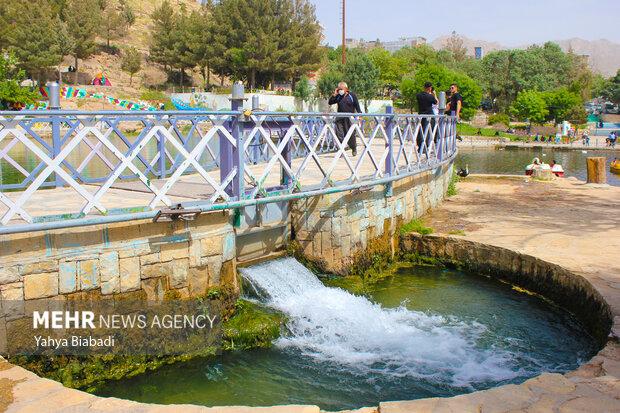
<point>604,56</point>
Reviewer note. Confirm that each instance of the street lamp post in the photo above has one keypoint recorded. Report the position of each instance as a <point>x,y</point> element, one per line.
<point>344,27</point>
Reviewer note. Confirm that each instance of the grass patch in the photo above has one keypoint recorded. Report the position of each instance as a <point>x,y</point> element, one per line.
<point>452,185</point>
<point>416,226</point>
<point>252,326</point>
<point>465,129</point>
<point>153,95</point>
<point>459,232</point>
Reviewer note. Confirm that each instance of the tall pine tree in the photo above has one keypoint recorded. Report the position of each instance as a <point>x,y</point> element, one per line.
<point>84,23</point>
<point>34,45</point>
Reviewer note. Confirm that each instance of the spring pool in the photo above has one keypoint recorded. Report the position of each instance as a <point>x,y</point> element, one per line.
<point>422,332</point>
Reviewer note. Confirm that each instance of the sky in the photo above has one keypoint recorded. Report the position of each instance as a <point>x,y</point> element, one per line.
<point>511,23</point>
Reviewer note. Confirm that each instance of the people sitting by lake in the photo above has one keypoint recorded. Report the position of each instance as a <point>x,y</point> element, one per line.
<point>537,138</point>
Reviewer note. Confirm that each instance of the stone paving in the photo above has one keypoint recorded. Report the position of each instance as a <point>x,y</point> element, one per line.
<point>564,222</point>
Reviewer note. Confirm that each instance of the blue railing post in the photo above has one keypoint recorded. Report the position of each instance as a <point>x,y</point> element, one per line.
<point>53,93</point>
<point>442,124</point>
<point>389,160</point>
<point>285,179</point>
<point>239,158</point>
<point>161,147</point>
<point>227,162</point>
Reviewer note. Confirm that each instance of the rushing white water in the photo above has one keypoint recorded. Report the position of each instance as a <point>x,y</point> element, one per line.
<point>333,325</point>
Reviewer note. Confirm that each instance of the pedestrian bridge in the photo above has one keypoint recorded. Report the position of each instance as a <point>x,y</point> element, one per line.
<point>167,204</point>
<point>63,169</point>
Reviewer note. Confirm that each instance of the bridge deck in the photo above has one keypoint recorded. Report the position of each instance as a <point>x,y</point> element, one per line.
<point>191,187</point>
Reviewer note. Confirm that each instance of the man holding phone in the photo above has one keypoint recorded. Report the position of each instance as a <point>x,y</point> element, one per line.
<point>456,102</point>
<point>347,103</point>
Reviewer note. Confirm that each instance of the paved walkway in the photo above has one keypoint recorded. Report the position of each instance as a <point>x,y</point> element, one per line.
<point>597,143</point>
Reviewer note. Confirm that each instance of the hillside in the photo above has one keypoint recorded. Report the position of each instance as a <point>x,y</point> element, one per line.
<point>604,56</point>
<point>138,37</point>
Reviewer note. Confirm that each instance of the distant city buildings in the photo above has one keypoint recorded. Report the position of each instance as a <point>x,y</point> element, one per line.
<point>390,46</point>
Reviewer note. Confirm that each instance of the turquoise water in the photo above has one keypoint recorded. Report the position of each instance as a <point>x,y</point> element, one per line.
<point>424,332</point>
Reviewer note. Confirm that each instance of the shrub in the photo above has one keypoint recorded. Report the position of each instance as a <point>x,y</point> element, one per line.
<point>499,119</point>
<point>153,95</point>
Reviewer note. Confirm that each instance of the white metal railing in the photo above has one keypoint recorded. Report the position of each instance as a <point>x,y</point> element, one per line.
<point>156,153</point>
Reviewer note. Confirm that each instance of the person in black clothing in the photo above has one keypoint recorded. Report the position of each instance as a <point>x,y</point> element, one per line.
<point>426,100</point>
<point>347,103</point>
<point>456,102</point>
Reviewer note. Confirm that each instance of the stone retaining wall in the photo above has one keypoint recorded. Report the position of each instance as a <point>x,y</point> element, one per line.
<point>563,287</point>
<point>181,259</point>
<point>331,229</point>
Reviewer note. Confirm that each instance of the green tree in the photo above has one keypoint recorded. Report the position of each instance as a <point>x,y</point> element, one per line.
<point>391,68</point>
<point>261,40</point>
<point>530,105</point>
<point>362,77</point>
<point>163,36</point>
<point>34,45</point>
<point>200,41</point>
<point>412,57</point>
<point>408,93</point>
<point>185,57</point>
<point>131,62</point>
<point>300,40</point>
<point>442,78</point>
<point>247,30</point>
<point>64,41</point>
<point>10,78</point>
<point>83,22</point>
<point>561,103</point>
<point>327,82</point>
<point>505,73</point>
<point>303,90</point>
<point>114,21</point>
<point>611,88</point>
<point>127,12</point>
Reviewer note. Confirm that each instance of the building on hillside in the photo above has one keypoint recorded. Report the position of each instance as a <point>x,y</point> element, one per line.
<point>390,46</point>
<point>479,52</point>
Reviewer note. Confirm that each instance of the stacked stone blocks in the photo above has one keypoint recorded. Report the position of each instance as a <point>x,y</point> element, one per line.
<point>333,228</point>
<point>186,258</point>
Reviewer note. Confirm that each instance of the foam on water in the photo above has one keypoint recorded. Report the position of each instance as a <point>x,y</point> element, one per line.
<point>333,325</point>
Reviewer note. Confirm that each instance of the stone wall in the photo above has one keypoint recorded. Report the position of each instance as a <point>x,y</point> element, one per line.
<point>182,259</point>
<point>563,287</point>
<point>331,229</point>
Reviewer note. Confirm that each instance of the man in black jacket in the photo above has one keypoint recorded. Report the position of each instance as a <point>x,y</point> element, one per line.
<point>426,100</point>
<point>347,103</point>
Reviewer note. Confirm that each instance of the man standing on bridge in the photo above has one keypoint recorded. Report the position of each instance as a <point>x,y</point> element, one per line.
<point>347,103</point>
<point>426,100</point>
<point>456,102</point>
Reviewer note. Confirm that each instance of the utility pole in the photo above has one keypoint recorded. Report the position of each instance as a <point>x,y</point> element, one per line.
<point>344,31</point>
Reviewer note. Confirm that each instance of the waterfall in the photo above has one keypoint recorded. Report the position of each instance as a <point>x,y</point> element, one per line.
<point>334,326</point>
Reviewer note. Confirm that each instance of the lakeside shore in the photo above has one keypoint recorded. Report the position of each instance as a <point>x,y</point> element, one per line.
<point>597,143</point>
